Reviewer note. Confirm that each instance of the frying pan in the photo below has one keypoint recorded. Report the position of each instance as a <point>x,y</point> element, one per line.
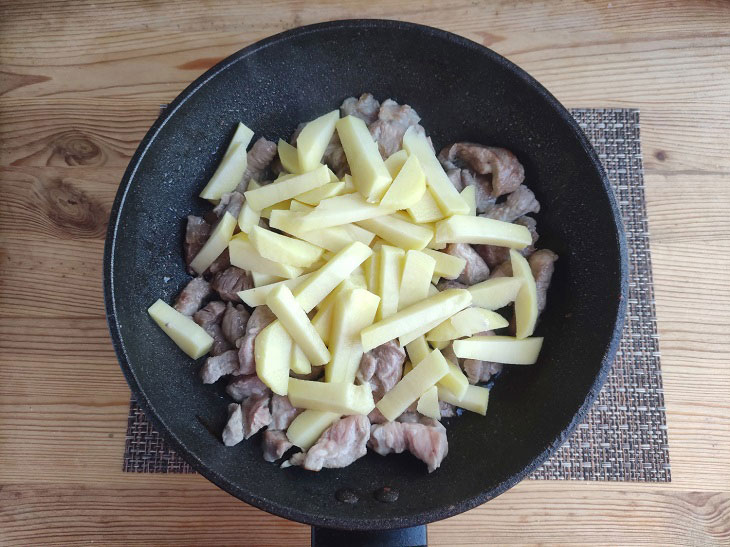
<point>464,92</point>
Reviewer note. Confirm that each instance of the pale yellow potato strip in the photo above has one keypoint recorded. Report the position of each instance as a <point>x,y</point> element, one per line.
<point>447,266</point>
<point>186,333</point>
<point>465,323</point>
<point>455,380</point>
<point>407,188</point>
<point>307,428</point>
<point>232,166</point>
<point>399,232</point>
<point>496,293</point>
<point>475,399</point>
<point>284,249</point>
<point>288,156</point>
<point>425,209</point>
<point>470,196</point>
<point>340,210</point>
<point>216,244</point>
<point>417,350</point>
<point>395,162</point>
<point>415,281</point>
<point>391,261</point>
<point>314,138</point>
<point>244,255</point>
<point>332,239</point>
<point>499,349</point>
<point>257,296</point>
<point>481,230</point>
<point>526,300</point>
<point>299,363</point>
<point>248,218</point>
<point>428,404</point>
<point>369,173</point>
<point>313,197</point>
<point>277,192</point>
<point>337,397</point>
<point>272,352</point>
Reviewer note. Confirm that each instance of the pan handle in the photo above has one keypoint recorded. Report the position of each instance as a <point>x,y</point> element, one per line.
<point>402,537</point>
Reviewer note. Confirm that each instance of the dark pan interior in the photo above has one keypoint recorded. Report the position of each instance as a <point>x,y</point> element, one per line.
<point>463,92</point>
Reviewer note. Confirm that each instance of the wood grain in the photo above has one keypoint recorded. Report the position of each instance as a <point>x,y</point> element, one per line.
<point>80,84</point>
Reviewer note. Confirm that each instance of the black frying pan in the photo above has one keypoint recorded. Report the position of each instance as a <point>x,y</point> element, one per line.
<point>463,91</point>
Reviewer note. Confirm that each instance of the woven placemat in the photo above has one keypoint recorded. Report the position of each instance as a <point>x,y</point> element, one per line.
<point>624,437</point>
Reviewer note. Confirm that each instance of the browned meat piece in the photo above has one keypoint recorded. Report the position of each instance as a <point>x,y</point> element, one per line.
<point>334,157</point>
<point>341,444</point>
<point>518,203</point>
<point>410,415</point>
<point>425,440</point>
<point>220,344</point>
<point>210,314</point>
<point>219,264</point>
<point>282,412</point>
<point>447,410</point>
<point>366,108</point>
<point>275,444</point>
<point>376,417</point>
<point>257,162</point>
<point>191,298</point>
<point>449,355</point>
<point>382,367</point>
<point>476,270</point>
<point>480,371</point>
<point>507,172</point>
<point>461,178</point>
<point>392,123</point>
<point>446,284</point>
<point>256,414</point>
<point>503,270</point>
<point>234,322</point>
<point>260,317</point>
<point>241,387</point>
<point>230,281</point>
<point>231,202</point>
<point>542,264</point>
<point>219,365</point>
<point>233,432</point>
<point>494,256</point>
<point>196,234</point>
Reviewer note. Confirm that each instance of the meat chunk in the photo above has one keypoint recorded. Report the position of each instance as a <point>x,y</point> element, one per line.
<point>334,156</point>
<point>449,355</point>
<point>191,298</point>
<point>233,432</point>
<point>461,178</point>
<point>241,387</point>
<point>197,232</point>
<point>231,202</point>
<point>447,410</point>
<point>230,281</point>
<point>518,203</point>
<point>282,412</point>
<point>220,344</point>
<point>542,264</point>
<point>366,108</point>
<point>392,123</point>
<point>425,440</point>
<point>275,444</point>
<point>494,255</point>
<point>256,414</point>
<point>476,269</point>
<point>506,170</point>
<point>219,365</point>
<point>210,314</point>
<point>446,284</point>
<point>219,264</point>
<point>480,371</point>
<point>503,270</point>
<point>341,444</point>
<point>257,162</point>
<point>382,367</point>
<point>234,322</point>
<point>376,417</point>
<point>259,319</point>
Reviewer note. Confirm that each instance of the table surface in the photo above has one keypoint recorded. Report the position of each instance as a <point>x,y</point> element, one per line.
<point>79,86</point>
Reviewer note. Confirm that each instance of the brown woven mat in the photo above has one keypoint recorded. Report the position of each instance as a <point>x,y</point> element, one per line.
<point>624,436</point>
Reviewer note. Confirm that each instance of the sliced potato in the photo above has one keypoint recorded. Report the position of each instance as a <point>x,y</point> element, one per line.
<point>282,303</point>
<point>287,250</point>
<point>465,323</point>
<point>421,330</point>
<point>340,210</point>
<point>248,218</point>
<point>299,363</point>
<point>407,188</point>
<point>418,350</point>
<point>332,239</point>
<point>439,344</point>
<point>447,266</point>
<point>257,296</point>
<point>416,278</point>
<point>300,207</point>
<point>434,308</point>
<point>369,173</point>
<point>391,266</point>
<point>352,312</point>
<point>262,279</point>
<point>313,197</point>
<point>496,293</point>
<point>499,349</point>
<point>272,353</point>
<point>371,268</point>
<point>425,209</point>
<point>428,404</point>
<point>216,244</point>
<point>281,206</point>
<point>232,166</point>
<point>455,380</point>
<point>287,188</point>
<point>322,322</point>
<point>323,281</point>
<point>186,333</point>
<point>469,194</point>
<point>407,367</point>
<point>359,234</point>
<point>399,232</point>
<point>336,397</point>
<point>307,428</point>
<point>411,387</point>
<point>447,197</point>
<point>481,230</point>
<point>475,399</point>
<point>526,300</point>
<point>288,156</point>
<point>394,162</point>
<point>314,138</point>
<point>244,255</point>
<point>432,290</point>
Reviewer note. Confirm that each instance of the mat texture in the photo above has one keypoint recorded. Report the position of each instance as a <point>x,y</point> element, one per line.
<point>624,437</point>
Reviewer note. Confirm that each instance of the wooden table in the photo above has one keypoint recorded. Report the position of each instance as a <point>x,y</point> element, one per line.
<point>79,86</point>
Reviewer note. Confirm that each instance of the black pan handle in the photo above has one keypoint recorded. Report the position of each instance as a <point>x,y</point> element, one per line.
<point>402,537</point>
